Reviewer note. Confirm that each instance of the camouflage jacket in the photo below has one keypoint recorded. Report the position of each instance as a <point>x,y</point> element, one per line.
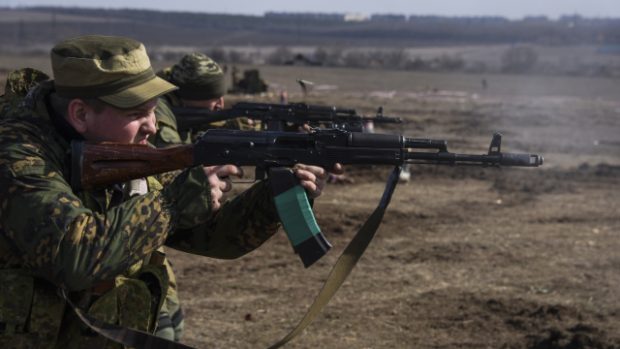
<point>167,130</point>
<point>52,237</point>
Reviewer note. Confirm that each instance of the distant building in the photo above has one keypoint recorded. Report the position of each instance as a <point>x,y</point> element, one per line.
<point>356,17</point>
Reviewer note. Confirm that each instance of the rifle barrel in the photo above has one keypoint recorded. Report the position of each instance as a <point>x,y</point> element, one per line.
<point>501,159</point>
<point>276,115</point>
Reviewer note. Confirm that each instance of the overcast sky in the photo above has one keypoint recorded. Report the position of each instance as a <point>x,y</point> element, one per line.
<point>505,8</point>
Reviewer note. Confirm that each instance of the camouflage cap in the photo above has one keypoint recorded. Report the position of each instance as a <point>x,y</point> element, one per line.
<point>113,69</point>
<point>198,77</point>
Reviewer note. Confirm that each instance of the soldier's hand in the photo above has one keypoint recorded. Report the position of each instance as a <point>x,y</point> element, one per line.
<point>304,128</point>
<point>220,182</point>
<point>313,178</point>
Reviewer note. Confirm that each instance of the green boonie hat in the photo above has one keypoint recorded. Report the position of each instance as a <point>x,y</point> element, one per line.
<point>198,77</point>
<point>113,69</point>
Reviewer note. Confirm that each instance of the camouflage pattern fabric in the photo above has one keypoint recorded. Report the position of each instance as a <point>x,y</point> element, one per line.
<point>195,67</point>
<point>198,77</point>
<point>24,300</point>
<point>78,240</point>
<point>165,73</point>
<point>167,132</point>
<point>18,83</point>
<point>129,304</point>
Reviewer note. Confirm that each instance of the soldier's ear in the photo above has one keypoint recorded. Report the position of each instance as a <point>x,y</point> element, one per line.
<point>76,115</point>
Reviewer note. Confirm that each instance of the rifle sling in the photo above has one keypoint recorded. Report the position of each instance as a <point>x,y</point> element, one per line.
<point>341,270</point>
<point>346,261</point>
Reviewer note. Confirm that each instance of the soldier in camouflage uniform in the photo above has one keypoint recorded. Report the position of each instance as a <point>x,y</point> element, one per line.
<point>18,83</point>
<point>201,85</point>
<point>101,246</point>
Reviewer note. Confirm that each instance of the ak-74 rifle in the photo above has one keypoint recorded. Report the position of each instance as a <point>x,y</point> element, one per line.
<point>272,153</point>
<point>276,117</point>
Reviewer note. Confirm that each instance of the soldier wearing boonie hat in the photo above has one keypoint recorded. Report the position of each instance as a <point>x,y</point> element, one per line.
<point>202,84</point>
<point>100,247</point>
<point>114,70</point>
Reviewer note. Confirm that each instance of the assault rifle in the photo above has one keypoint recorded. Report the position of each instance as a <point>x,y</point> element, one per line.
<point>272,152</point>
<point>275,117</point>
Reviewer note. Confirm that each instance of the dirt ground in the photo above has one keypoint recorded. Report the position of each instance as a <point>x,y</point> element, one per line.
<point>465,257</point>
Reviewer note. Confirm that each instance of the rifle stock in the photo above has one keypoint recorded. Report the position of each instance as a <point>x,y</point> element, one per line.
<point>100,164</point>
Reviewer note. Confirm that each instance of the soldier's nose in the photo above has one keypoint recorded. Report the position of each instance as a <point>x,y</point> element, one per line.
<point>149,126</point>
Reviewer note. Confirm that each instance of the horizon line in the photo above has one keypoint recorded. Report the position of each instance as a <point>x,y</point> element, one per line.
<point>540,16</point>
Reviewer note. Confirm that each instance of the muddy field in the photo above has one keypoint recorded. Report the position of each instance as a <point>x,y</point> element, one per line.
<point>465,257</point>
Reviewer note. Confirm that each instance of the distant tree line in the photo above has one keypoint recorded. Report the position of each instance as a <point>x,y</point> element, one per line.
<point>186,28</point>
<point>336,41</point>
<point>518,59</point>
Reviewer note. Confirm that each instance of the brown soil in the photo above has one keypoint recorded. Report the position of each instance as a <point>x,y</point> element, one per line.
<point>465,257</point>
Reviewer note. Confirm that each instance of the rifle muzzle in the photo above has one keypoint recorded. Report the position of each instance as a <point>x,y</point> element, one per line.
<point>527,160</point>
